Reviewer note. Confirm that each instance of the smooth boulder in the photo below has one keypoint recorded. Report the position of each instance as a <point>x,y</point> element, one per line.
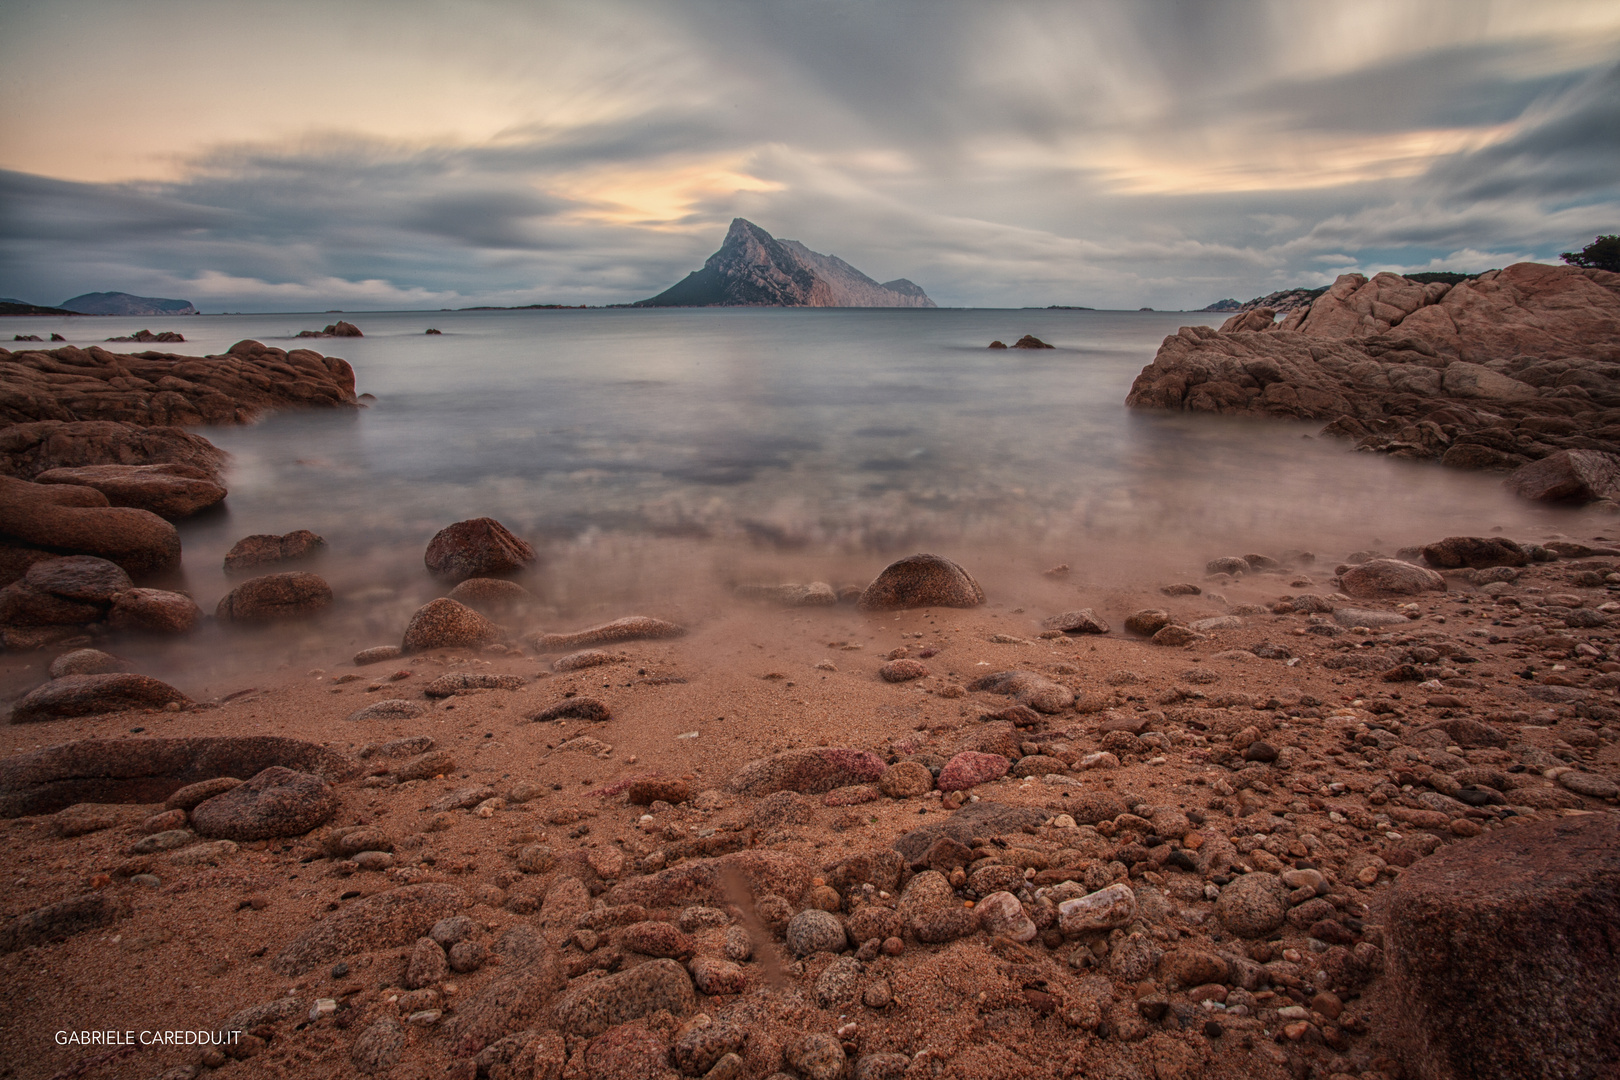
<point>170,490</point>
<point>72,520</point>
<point>288,595</point>
<point>154,611</point>
<point>277,802</point>
<point>478,547</point>
<point>445,624</point>
<point>921,581</point>
<point>90,695</point>
<point>1377,577</point>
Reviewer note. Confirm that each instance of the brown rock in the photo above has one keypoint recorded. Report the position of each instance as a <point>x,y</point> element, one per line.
<point>71,520</point>
<point>982,819</point>
<point>1487,937</point>
<point>288,595</point>
<point>1083,621</point>
<point>28,449</point>
<point>456,682</point>
<point>384,921</point>
<point>1253,905</point>
<point>1174,636</point>
<point>148,770</point>
<point>193,795</point>
<point>630,628</point>
<point>1476,551</point>
<point>277,802</point>
<point>1147,622</point>
<point>651,789</point>
<point>61,919</point>
<point>575,708</point>
<point>654,938</point>
<point>479,547</point>
<point>756,872</point>
<point>154,611</point>
<point>905,779</point>
<point>492,595</point>
<point>922,581</point>
<point>586,658</point>
<point>903,670</point>
<point>266,549</point>
<point>627,1052</point>
<point>519,996</point>
<point>810,771</point>
<point>969,769</point>
<point>445,624</point>
<point>89,695</point>
<point>1573,476</point>
<point>591,1008</point>
<point>85,662</point>
<point>170,490</point>
<point>1028,688</point>
<point>1377,577</point>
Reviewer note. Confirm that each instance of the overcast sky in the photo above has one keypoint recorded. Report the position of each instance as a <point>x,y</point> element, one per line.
<point>302,156</point>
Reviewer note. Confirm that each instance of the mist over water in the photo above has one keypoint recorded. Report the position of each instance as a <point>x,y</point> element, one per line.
<point>656,458</point>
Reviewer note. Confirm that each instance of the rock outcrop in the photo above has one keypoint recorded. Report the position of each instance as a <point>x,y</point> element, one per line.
<point>1493,372</point>
<point>27,450</point>
<point>66,519</point>
<point>167,389</point>
<point>754,269</point>
<point>169,490</point>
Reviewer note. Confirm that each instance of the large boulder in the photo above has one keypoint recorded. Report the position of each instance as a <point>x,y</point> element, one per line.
<point>62,592</point>
<point>922,581</point>
<point>1502,954</point>
<point>266,549</point>
<point>148,770</point>
<point>1569,476</point>
<point>71,520</point>
<point>170,490</point>
<point>1380,577</point>
<point>810,771</point>
<point>290,595</point>
<point>479,547</point>
<point>1479,552</point>
<point>90,695</point>
<point>277,802</point>
<point>29,449</point>
<point>446,624</point>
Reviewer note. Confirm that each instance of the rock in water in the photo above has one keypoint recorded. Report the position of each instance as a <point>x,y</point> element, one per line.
<point>153,610</point>
<point>73,520</point>
<point>289,595</point>
<point>922,581</point>
<point>444,624</point>
<point>478,547</point>
<point>1502,954</point>
<point>85,662</point>
<point>264,549</point>
<point>491,594</point>
<point>1575,476</point>
<point>169,490</point>
<point>1379,576</point>
<point>88,695</point>
<point>629,628</point>
<point>277,802</point>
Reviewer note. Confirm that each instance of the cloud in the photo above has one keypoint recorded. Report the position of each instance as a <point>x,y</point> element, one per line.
<point>1117,154</point>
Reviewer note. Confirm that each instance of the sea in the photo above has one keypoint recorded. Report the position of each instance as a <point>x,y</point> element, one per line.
<point>658,458</point>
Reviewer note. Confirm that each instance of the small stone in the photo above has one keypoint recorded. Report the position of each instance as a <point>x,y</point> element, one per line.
<point>377,655</point>
<point>85,662</point>
<point>428,964</point>
<point>1001,914</point>
<point>906,779</point>
<point>1252,906</point>
<point>714,976</point>
<point>1083,621</point>
<point>1174,636</point>
<point>818,1057</point>
<point>896,671</point>
<point>969,769</point>
<point>1147,622</point>
<point>813,931</point>
<point>1105,909</point>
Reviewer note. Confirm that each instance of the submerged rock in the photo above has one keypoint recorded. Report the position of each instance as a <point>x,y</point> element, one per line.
<point>288,595</point>
<point>630,628</point>
<point>89,695</point>
<point>265,549</point>
<point>478,547</point>
<point>444,623</point>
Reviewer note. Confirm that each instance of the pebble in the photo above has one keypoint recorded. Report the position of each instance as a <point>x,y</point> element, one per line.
<point>813,931</point>
<point>1105,909</point>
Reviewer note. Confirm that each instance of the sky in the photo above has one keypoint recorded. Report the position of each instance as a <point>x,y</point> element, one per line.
<point>295,156</point>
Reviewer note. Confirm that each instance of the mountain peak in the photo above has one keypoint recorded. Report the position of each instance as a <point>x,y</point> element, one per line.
<point>754,269</point>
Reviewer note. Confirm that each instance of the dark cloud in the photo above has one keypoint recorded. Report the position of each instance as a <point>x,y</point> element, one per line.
<point>975,149</point>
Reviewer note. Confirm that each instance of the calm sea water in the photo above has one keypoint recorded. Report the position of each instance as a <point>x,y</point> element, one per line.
<point>653,456</point>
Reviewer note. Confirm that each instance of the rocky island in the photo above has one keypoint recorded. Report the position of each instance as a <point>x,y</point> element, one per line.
<point>753,269</point>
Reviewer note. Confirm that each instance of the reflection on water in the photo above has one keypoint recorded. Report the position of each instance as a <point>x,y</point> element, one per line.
<point>655,456</point>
